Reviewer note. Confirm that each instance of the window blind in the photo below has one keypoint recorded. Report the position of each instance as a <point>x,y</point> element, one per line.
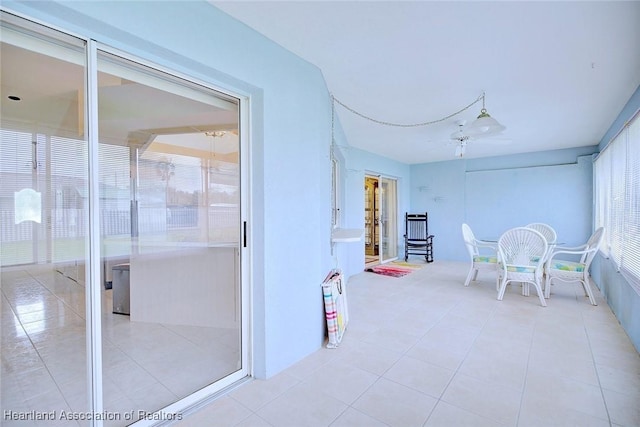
<point>617,200</point>
<point>631,249</point>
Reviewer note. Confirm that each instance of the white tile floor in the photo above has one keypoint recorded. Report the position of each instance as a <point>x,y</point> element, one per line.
<point>423,350</point>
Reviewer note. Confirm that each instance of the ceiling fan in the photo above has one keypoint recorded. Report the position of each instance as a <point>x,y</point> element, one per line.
<point>220,133</point>
<point>462,137</point>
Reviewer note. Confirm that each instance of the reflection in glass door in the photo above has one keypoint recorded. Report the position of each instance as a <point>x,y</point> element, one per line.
<point>162,315</point>
<point>371,218</point>
<point>170,176</point>
<point>43,225</point>
<point>388,220</point>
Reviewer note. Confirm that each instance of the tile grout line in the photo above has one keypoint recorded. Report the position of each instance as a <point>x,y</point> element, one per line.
<point>457,371</point>
<point>595,367</point>
<point>35,348</point>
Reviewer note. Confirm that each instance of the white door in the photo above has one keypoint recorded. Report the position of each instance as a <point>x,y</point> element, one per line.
<point>381,219</point>
<point>388,223</point>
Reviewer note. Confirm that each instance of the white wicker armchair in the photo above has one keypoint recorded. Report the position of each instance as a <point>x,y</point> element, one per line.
<point>558,269</point>
<point>482,254</point>
<point>521,252</point>
<point>550,234</point>
<point>546,230</point>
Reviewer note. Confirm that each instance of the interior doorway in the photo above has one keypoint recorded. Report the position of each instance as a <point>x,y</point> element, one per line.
<point>380,219</point>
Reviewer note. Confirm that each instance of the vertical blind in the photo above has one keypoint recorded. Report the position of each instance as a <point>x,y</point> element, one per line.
<point>617,200</point>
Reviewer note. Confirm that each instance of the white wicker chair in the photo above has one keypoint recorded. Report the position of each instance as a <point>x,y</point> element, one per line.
<point>573,271</point>
<point>550,234</point>
<point>521,252</point>
<point>546,230</point>
<point>487,260</point>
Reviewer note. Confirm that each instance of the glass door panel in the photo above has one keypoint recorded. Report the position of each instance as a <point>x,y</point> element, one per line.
<point>170,208</point>
<point>388,220</point>
<point>371,218</point>
<point>44,223</point>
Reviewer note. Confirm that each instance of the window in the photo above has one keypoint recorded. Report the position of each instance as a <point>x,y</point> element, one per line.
<point>617,200</point>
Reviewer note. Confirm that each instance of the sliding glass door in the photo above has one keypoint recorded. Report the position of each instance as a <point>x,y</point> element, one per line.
<point>170,208</point>
<point>153,311</point>
<point>43,225</point>
<point>388,220</point>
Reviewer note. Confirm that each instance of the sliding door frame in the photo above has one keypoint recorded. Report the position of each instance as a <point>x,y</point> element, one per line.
<point>197,398</point>
<point>93,248</point>
<point>379,220</point>
<point>388,219</point>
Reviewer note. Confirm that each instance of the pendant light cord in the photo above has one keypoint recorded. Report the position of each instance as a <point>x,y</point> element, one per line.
<point>405,125</point>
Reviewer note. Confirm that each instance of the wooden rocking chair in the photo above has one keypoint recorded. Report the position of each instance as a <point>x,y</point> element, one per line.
<point>417,240</point>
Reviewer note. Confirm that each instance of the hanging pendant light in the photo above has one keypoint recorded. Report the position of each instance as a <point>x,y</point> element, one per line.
<point>484,125</point>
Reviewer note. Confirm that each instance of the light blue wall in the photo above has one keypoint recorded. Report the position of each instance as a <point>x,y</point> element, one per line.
<point>290,134</point>
<point>438,189</point>
<point>494,194</point>
<point>621,297</point>
<point>290,171</point>
<point>627,112</point>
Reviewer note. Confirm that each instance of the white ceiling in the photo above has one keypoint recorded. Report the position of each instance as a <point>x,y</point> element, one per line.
<point>556,74</point>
